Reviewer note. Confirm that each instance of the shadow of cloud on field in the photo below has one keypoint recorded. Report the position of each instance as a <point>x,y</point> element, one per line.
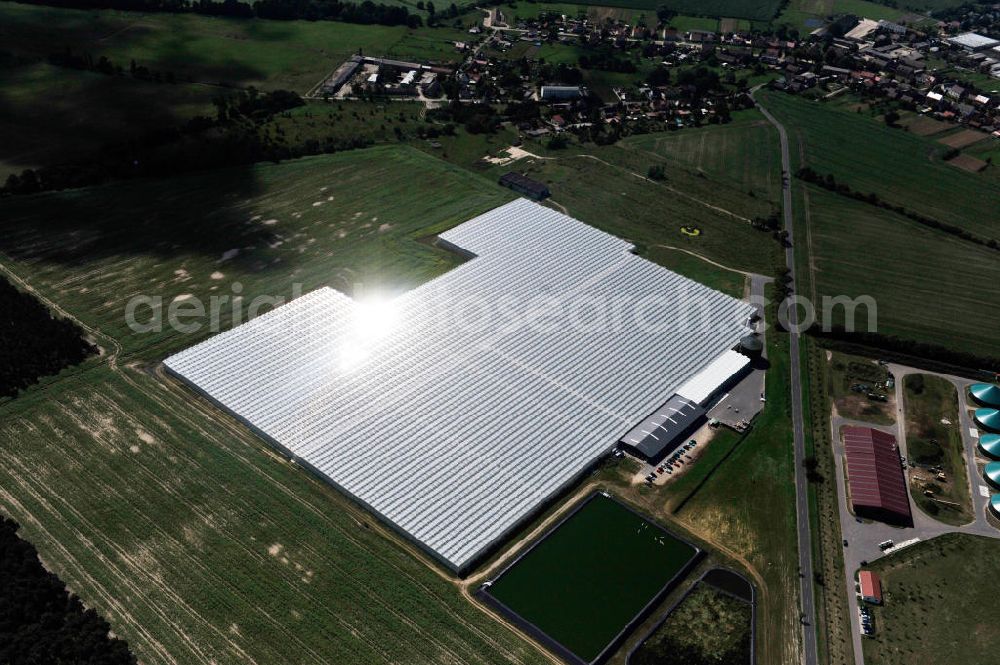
<point>206,214</point>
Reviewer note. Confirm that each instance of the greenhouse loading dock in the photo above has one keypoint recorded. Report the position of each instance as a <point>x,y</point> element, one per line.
<point>479,411</point>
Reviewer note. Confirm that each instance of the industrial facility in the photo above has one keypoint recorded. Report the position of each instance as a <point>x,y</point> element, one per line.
<point>988,419</point>
<point>991,472</point>
<point>986,394</point>
<point>875,478</point>
<point>989,445</point>
<point>661,433</point>
<point>458,409</point>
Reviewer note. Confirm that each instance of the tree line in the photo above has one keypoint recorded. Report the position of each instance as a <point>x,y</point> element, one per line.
<point>906,351</point>
<point>104,65</point>
<point>40,621</point>
<point>366,12</point>
<point>33,344</point>
<point>829,182</point>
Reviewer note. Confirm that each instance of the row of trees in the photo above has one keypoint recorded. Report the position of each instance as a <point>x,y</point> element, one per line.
<point>104,65</point>
<point>33,343</point>
<point>42,623</point>
<point>308,10</point>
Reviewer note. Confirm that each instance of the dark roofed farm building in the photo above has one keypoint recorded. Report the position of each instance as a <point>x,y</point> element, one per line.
<point>524,185</point>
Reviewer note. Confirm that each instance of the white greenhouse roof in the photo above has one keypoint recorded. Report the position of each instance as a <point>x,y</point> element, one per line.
<point>973,40</point>
<point>454,410</point>
<point>715,375</point>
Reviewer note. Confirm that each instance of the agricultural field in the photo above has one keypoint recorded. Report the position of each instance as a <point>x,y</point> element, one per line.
<point>651,213</point>
<point>846,371</point>
<point>591,576</point>
<point>744,152</point>
<point>709,627</point>
<point>933,437</point>
<point>902,168</point>
<point>267,227</point>
<point>807,15</point>
<point>945,277</point>
<point>940,598</point>
<point>199,544</point>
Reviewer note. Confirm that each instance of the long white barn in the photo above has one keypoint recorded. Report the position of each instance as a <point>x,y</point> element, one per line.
<point>456,409</point>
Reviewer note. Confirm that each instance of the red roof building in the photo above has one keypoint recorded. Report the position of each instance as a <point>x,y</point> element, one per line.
<point>871,587</point>
<point>875,476</point>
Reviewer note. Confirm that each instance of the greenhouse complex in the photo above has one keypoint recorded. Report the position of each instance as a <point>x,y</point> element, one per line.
<point>454,411</point>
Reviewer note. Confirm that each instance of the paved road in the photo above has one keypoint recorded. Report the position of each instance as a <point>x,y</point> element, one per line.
<point>863,537</point>
<point>809,651</point>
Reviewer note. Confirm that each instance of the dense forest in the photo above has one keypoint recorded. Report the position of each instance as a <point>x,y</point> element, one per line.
<point>33,345</point>
<point>308,10</point>
<point>41,623</point>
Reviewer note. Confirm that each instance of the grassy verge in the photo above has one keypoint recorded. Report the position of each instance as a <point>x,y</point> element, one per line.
<point>833,621</point>
<point>940,598</point>
<point>933,438</point>
<point>748,505</point>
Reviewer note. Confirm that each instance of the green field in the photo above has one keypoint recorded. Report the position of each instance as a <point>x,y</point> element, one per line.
<point>947,280</point>
<point>758,10</point>
<point>586,580</point>
<point>946,277</point>
<point>709,627</point>
<point>314,221</point>
<point>930,400</point>
<point>900,167</point>
<point>807,15</point>
<point>744,152</point>
<point>941,597</point>
<point>651,214</point>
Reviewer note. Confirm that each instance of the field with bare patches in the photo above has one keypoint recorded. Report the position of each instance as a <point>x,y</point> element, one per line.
<point>922,125</point>
<point>968,163</point>
<point>200,545</point>
<point>963,138</point>
<point>189,534</point>
<point>352,221</point>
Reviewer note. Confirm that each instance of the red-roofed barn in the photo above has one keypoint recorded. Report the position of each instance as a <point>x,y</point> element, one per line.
<point>875,476</point>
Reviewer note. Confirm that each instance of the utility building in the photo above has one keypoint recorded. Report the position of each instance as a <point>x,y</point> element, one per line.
<point>875,476</point>
<point>525,185</point>
<point>871,587</point>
